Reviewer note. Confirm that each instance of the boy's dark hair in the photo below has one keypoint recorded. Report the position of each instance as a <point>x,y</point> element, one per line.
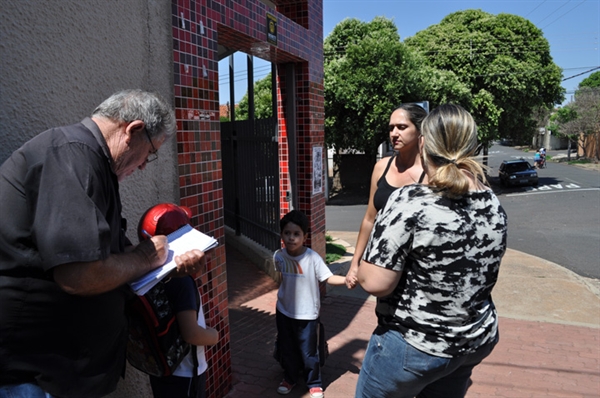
<point>296,217</point>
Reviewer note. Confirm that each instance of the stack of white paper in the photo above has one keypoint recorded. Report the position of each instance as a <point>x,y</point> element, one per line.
<point>183,240</point>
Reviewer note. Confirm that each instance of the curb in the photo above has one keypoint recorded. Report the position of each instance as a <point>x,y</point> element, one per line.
<point>528,288</point>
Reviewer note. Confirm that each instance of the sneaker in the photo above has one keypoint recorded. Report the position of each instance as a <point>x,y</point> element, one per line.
<point>285,387</point>
<point>316,392</point>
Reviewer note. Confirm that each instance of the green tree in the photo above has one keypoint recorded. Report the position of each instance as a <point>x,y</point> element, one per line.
<point>560,124</point>
<point>579,121</point>
<point>263,101</point>
<point>591,81</point>
<point>587,104</point>
<point>560,118</point>
<point>505,62</point>
<point>368,73</point>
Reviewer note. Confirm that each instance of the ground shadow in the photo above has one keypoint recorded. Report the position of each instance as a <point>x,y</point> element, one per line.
<point>253,332</point>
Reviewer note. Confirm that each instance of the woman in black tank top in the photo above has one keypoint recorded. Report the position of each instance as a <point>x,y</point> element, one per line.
<point>402,168</point>
<point>384,189</point>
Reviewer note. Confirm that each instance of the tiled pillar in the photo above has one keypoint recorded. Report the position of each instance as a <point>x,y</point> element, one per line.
<point>198,27</point>
<point>196,88</point>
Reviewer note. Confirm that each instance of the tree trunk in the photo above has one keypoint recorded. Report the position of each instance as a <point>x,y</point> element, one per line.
<point>598,146</point>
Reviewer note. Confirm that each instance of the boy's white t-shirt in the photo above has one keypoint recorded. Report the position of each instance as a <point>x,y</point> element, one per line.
<point>299,296</point>
<point>186,367</point>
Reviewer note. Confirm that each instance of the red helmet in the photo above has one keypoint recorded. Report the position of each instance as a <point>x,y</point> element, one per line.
<point>163,219</point>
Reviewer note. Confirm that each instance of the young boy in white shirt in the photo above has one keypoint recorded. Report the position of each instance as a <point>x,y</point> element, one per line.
<point>298,304</point>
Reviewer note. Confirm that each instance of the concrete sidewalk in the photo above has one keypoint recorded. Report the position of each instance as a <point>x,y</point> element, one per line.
<point>528,288</point>
<point>549,331</point>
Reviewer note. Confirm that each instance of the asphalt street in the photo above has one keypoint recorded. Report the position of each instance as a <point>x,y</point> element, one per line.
<point>559,220</point>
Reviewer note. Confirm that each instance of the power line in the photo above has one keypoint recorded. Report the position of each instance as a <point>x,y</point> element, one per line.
<point>548,16</point>
<point>582,73</point>
<point>514,47</point>
<point>581,67</point>
<point>535,8</point>
<point>257,70</point>
<point>226,82</point>
<point>564,14</point>
<point>477,51</point>
<point>469,44</point>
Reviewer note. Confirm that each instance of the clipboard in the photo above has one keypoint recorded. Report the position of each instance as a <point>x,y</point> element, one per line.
<point>181,241</point>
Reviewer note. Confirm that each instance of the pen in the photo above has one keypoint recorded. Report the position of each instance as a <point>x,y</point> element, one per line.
<point>146,233</point>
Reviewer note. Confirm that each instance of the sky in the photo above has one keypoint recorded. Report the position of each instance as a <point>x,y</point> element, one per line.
<point>572,27</point>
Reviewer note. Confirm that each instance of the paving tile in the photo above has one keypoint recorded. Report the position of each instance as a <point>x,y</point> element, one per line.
<point>532,359</point>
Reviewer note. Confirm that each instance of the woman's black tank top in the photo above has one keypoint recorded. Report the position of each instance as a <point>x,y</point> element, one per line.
<point>384,189</point>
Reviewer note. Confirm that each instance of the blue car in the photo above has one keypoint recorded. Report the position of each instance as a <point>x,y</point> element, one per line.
<point>517,172</point>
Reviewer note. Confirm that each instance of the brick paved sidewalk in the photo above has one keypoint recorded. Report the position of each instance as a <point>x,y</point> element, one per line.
<point>532,359</point>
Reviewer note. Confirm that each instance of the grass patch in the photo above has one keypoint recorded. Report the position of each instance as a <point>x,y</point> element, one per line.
<point>333,252</point>
<point>580,161</point>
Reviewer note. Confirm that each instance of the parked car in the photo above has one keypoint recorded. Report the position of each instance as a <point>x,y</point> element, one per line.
<point>517,172</point>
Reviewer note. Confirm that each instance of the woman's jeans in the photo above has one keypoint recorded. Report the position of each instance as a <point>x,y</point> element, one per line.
<point>394,368</point>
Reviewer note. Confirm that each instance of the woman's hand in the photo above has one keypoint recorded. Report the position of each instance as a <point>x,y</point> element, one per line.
<point>351,276</point>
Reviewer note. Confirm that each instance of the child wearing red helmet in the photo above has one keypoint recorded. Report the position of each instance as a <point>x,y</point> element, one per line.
<point>189,379</point>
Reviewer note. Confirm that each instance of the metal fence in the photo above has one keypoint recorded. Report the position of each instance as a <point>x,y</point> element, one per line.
<point>251,179</point>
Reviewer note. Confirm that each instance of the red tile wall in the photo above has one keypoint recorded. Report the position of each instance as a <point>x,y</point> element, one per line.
<point>197,27</point>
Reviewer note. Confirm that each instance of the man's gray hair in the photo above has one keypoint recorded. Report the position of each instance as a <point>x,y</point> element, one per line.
<point>130,105</point>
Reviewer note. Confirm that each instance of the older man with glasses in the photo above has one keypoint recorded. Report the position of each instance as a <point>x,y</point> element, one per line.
<point>64,257</point>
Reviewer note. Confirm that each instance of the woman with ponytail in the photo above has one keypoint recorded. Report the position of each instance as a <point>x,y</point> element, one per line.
<point>432,260</point>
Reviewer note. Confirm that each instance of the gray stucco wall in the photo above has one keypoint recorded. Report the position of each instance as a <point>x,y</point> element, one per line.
<point>61,58</point>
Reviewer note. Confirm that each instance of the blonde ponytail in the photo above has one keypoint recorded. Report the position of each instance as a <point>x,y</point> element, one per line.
<point>449,142</point>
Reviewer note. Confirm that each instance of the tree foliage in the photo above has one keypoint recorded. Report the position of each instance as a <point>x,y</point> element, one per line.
<point>587,106</point>
<point>591,81</point>
<point>368,73</point>
<point>505,62</point>
<point>559,121</point>
<point>263,101</point>
<point>579,120</point>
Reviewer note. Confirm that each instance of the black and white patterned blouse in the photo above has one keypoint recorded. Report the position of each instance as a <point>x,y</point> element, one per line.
<point>449,252</point>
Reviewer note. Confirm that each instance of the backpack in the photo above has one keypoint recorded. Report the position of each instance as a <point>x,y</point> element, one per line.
<point>155,345</point>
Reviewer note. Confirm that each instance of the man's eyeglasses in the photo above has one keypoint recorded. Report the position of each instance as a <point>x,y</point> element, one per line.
<point>154,152</point>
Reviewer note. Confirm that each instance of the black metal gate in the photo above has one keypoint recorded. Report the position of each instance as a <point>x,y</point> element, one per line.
<point>250,157</point>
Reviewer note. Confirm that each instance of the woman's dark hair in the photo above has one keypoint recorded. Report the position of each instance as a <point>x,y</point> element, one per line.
<point>416,113</point>
<point>296,217</point>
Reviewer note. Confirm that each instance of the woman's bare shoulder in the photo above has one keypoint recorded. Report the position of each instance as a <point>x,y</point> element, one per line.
<point>380,165</point>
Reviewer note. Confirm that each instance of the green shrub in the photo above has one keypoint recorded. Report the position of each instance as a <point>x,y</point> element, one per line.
<point>580,161</point>
<point>333,252</point>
